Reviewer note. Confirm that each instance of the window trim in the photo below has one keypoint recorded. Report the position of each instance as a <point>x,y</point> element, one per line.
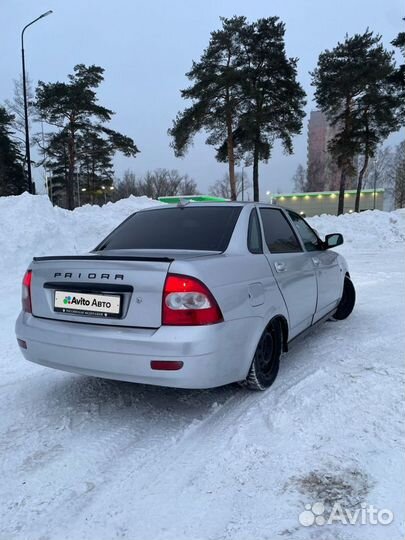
<point>254,213</point>
<point>286,217</point>
<point>321,243</point>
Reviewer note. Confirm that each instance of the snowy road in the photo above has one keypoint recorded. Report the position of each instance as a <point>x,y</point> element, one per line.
<point>94,459</point>
<point>84,458</point>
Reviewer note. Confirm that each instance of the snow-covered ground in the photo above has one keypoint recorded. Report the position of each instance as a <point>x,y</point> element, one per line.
<point>84,458</point>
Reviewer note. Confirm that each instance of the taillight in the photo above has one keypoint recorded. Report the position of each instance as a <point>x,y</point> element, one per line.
<point>188,302</point>
<point>26,292</point>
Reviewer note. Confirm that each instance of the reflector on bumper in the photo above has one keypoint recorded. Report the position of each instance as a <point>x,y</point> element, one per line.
<point>166,365</point>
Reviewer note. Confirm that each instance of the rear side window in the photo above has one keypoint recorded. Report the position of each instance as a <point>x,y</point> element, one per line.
<point>279,235</point>
<point>197,228</point>
<point>254,234</point>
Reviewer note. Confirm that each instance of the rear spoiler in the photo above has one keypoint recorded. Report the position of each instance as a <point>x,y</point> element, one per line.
<point>101,258</point>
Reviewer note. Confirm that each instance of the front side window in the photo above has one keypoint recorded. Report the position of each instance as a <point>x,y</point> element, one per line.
<point>202,228</point>
<point>309,238</point>
<point>279,235</point>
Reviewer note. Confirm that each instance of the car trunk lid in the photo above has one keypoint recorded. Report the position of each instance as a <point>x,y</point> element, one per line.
<point>136,280</point>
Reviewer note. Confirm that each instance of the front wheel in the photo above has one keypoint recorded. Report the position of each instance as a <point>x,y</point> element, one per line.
<point>347,301</point>
<point>266,361</point>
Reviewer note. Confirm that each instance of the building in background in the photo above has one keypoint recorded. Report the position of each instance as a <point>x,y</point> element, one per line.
<point>322,172</point>
<point>326,202</point>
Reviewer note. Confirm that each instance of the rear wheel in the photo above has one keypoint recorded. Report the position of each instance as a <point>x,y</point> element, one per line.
<point>266,361</point>
<point>347,301</point>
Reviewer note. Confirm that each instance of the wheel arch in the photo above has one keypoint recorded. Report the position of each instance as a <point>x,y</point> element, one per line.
<point>284,329</point>
<point>277,323</point>
<point>279,318</point>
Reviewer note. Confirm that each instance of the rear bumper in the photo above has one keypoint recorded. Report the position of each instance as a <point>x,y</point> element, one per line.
<point>213,355</point>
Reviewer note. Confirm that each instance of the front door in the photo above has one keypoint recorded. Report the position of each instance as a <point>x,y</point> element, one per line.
<point>328,271</point>
<point>292,268</point>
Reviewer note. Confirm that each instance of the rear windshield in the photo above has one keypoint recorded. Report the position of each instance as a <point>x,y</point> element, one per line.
<point>199,228</point>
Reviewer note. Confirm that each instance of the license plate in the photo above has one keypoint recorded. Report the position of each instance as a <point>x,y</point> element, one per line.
<point>95,305</point>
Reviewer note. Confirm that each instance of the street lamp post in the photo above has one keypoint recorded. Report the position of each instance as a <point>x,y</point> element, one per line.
<point>31,187</point>
<point>83,191</point>
<point>104,188</point>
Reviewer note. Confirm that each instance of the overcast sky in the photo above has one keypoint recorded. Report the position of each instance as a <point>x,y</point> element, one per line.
<point>147,47</point>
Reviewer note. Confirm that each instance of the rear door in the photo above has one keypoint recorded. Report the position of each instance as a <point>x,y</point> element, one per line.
<point>326,264</point>
<point>292,268</point>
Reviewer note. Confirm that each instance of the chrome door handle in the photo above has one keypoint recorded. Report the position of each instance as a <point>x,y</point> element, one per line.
<point>280,267</point>
<point>316,261</point>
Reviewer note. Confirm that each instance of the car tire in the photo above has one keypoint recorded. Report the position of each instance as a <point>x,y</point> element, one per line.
<point>346,304</point>
<point>266,361</point>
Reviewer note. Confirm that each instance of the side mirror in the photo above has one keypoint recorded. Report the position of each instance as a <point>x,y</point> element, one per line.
<point>333,240</point>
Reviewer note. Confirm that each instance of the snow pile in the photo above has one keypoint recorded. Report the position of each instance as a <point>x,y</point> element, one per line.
<point>368,230</point>
<point>31,226</point>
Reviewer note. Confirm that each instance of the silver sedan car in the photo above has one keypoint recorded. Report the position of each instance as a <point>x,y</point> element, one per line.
<point>196,295</point>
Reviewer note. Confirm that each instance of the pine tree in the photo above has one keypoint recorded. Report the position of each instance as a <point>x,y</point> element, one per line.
<point>376,109</point>
<point>56,163</point>
<point>273,98</point>
<point>215,93</point>
<point>73,108</point>
<point>399,75</point>
<point>12,179</point>
<point>95,171</point>
<point>354,89</point>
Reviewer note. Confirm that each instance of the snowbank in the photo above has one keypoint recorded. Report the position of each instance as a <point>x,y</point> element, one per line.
<point>368,230</point>
<point>31,226</point>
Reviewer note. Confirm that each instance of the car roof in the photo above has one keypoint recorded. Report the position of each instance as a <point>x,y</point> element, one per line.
<point>187,204</point>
